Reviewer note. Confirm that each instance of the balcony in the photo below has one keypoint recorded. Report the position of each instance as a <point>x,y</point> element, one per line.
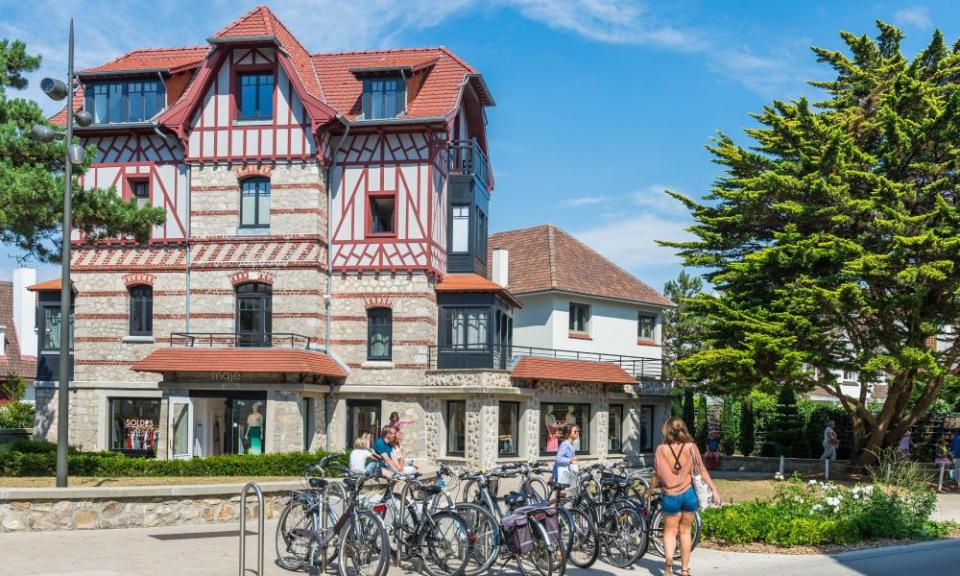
<point>647,371</point>
<point>240,340</point>
<point>467,159</point>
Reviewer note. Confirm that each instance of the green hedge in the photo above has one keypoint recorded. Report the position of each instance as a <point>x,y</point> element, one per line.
<point>40,459</point>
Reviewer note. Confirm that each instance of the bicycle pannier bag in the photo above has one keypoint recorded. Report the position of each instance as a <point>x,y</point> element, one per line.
<point>551,523</point>
<point>517,532</point>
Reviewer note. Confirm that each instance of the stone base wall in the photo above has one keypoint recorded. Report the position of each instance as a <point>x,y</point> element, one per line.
<point>38,516</point>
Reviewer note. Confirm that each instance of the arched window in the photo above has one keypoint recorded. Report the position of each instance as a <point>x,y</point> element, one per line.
<point>255,203</point>
<point>141,310</point>
<point>379,334</point>
<point>254,322</point>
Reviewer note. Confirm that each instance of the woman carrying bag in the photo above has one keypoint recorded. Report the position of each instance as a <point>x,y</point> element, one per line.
<point>564,467</point>
<point>686,486</point>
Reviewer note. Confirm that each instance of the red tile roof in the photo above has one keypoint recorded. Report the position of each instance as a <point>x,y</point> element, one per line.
<point>46,286</point>
<point>473,283</point>
<point>154,59</point>
<point>13,360</point>
<point>547,258</point>
<point>531,368</point>
<point>246,360</point>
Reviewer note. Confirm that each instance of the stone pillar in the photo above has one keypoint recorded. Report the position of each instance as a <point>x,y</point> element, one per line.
<point>530,441</point>
<point>283,422</point>
<point>601,426</point>
<point>163,429</point>
<point>45,420</point>
<point>432,426</point>
<point>481,424</point>
<point>319,440</point>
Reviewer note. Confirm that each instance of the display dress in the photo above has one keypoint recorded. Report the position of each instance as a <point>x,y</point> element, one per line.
<point>254,434</point>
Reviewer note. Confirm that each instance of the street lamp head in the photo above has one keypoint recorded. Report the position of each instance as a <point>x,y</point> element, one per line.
<point>76,153</point>
<point>83,118</point>
<point>43,133</point>
<point>55,89</point>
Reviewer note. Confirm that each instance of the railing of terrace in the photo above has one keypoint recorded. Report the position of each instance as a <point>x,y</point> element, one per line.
<point>467,158</point>
<point>240,340</point>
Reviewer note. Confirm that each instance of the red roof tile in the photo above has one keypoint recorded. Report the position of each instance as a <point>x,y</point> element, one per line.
<point>13,360</point>
<point>46,286</point>
<point>473,283</point>
<point>246,360</point>
<point>154,59</point>
<point>531,368</point>
<point>547,258</point>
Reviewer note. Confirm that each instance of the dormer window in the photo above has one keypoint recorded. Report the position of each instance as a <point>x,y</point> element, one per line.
<point>255,100</point>
<point>384,98</point>
<point>124,102</point>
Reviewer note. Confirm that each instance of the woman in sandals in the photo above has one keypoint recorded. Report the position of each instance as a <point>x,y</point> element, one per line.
<point>676,460</point>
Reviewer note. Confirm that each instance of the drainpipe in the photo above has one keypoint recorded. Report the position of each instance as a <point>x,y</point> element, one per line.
<point>327,300</point>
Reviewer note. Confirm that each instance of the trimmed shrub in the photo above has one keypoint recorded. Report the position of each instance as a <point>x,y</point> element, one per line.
<point>784,436</point>
<point>702,422</point>
<point>747,430</point>
<point>728,427</point>
<point>689,410</point>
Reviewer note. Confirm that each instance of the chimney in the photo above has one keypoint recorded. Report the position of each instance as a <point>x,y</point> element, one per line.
<point>25,310</point>
<point>501,266</point>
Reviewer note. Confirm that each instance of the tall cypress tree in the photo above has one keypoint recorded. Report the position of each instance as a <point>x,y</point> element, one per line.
<point>747,428</point>
<point>833,238</point>
<point>784,436</point>
<point>728,426</point>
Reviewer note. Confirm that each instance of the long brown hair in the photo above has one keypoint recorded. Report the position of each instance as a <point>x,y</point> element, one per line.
<point>675,431</point>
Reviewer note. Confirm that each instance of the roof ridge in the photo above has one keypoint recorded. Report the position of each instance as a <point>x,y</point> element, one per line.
<point>552,255</point>
<point>380,51</point>
<point>458,59</point>
<point>168,49</point>
<point>238,20</point>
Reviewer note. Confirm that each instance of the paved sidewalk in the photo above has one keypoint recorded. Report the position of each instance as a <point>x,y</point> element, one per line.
<point>212,550</point>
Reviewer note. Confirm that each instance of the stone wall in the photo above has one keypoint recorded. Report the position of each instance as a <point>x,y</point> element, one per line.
<point>46,515</point>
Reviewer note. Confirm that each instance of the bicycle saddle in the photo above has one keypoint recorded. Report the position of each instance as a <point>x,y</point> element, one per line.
<point>318,483</point>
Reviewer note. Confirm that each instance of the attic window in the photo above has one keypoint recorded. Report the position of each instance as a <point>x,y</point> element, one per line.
<point>384,98</point>
<point>127,101</point>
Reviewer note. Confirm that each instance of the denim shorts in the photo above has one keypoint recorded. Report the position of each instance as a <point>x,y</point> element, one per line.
<point>686,502</point>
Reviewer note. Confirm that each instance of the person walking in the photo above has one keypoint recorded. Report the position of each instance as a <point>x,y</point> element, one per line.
<point>906,443</point>
<point>830,441</point>
<point>566,454</point>
<point>943,453</point>
<point>674,464</point>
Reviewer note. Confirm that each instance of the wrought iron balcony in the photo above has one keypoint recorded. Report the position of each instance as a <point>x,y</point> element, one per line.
<point>240,340</point>
<point>474,356</point>
<point>468,159</point>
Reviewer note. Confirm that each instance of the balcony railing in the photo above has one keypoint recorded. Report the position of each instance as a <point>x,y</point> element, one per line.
<point>506,357</point>
<point>240,340</point>
<point>468,159</point>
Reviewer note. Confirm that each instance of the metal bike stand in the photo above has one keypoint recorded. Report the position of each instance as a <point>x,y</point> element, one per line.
<point>243,527</point>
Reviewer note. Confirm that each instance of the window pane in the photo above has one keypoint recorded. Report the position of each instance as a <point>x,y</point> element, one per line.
<point>181,430</point>
<point>152,99</point>
<point>51,328</point>
<point>456,427</point>
<point>646,428</point>
<point>508,429</point>
<point>382,214</point>
<point>645,326</point>
<point>553,417</point>
<point>100,104</point>
<point>379,334</point>
<point>248,209</point>
<point>135,102</point>
<point>115,103</point>
<point>263,204</point>
<point>460,229</point>
<point>265,96</point>
<point>615,428</point>
<point>248,98</point>
<point>134,425</point>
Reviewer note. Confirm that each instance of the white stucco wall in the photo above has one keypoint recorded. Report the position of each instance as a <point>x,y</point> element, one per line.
<point>544,322</point>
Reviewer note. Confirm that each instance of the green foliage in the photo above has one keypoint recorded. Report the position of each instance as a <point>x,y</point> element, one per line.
<point>689,410</point>
<point>894,469</point>
<point>785,435</point>
<point>728,427</point>
<point>702,422</point>
<point>682,331</point>
<point>833,236</point>
<point>747,428</point>
<point>814,514</point>
<point>17,415</point>
<point>13,387</point>
<point>39,459</point>
<point>32,180</point>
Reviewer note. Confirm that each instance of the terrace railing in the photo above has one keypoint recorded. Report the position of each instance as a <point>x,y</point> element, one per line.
<point>240,340</point>
<point>468,159</point>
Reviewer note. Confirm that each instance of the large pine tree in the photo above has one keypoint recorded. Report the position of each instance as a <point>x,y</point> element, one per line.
<point>31,177</point>
<point>833,239</point>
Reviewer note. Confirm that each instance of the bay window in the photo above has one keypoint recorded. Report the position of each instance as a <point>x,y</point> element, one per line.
<point>124,101</point>
<point>465,329</point>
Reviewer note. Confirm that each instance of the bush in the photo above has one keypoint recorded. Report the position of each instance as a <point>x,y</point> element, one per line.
<point>784,436</point>
<point>728,427</point>
<point>747,429</point>
<point>40,459</point>
<point>16,415</point>
<point>701,422</point>
<point>814,514</point>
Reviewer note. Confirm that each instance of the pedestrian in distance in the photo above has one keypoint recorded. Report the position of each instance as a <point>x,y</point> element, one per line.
<point>564,464</point>
<point>955,449</point>
<point>830,441</point>
<point>942,453</point>
<point>675,461</point>
<point>906,443</point>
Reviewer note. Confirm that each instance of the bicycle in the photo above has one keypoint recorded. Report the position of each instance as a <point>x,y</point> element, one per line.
<point>655,522</point>
<point>300,518</point>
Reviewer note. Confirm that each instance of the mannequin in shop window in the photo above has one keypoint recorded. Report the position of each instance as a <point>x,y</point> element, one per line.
<point>550,421</point>
<point>255,430</point>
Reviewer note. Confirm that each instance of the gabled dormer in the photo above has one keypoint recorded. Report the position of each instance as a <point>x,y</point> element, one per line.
<point>389,85</point>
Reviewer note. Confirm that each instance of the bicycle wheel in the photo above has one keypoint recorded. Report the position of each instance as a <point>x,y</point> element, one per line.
<point>486,537</point>
<point>623,536</point>
<point>445,542</point>
<point>536,490</point>
<point>294,535</point>
<point>656,534</point>
<point>539,561</point>
<point>364,550</point>
<point>579,537</point>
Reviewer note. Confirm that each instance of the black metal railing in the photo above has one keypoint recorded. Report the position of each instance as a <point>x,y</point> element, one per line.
<point>468,159</point>
<point>505,358</point>
<point>240,340</point>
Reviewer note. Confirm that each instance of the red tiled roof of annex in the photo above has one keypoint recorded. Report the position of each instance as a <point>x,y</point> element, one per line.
<point>13,360</point>
<point>473,283</point>
<point>547,258</point>
<point>326,76</point>
<point>532,368</point>
<point>245,360</point>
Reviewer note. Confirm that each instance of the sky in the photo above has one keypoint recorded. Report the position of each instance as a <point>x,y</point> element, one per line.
<point>601,104</point>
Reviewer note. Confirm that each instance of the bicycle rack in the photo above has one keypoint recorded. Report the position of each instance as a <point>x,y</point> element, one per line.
<point>243,527</point>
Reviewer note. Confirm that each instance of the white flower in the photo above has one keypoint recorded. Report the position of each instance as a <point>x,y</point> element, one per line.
<point>778,476</point>
<point>812,483</point>
<point>816,508</point>
<point>833,501</point>
<point>868,489</point>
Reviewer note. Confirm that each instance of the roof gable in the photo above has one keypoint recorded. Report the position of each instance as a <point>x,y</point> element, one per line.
<point>570,266</point>
<point>13,360</point>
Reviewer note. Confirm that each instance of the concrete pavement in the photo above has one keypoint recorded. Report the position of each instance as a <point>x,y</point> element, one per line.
<point>201,550</point>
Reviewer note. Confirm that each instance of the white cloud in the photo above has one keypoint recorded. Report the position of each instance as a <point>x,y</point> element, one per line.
<point>583,201</point>
<point>654,198</point>
<point>916,16</point>
<point>631,241</point>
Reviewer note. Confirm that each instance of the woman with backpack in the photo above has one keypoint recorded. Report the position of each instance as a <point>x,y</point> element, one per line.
<point>677,460</point>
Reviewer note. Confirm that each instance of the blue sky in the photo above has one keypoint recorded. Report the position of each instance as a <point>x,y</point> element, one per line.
<point>601,105</point>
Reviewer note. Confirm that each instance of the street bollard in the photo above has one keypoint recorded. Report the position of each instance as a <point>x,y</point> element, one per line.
<point>826,470</point>
<point>781,465</point>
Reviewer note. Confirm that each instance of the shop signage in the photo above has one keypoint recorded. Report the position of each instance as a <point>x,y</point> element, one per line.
<point>139,424</point>
<point>225,376</point>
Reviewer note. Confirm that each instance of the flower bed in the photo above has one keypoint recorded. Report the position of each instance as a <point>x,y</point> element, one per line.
<point>817,513</point>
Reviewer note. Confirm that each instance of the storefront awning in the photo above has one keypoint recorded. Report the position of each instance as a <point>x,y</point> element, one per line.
<point>246,360</point>
<point>533,368</point>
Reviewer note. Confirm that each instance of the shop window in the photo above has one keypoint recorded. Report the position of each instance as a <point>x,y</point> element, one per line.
<point>382,215</point>
<point>615,429</point>
<point>141,310</point>
<point>579,317</point>
<point>456,428</point>
<point>645,326</point>
<point>465,329</point>
<point>255,100</point>
<point>134,423</point>
<point>379,333</point>
<point>508,439</point>
<point>255,203</point>
<point>254,315</point>
<point>646,428</point>
<point>363,417</point>
<point>50,329</point>
<point>554,416</point>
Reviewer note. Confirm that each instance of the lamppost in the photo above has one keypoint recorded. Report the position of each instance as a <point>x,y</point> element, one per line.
<point>57,90</point>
